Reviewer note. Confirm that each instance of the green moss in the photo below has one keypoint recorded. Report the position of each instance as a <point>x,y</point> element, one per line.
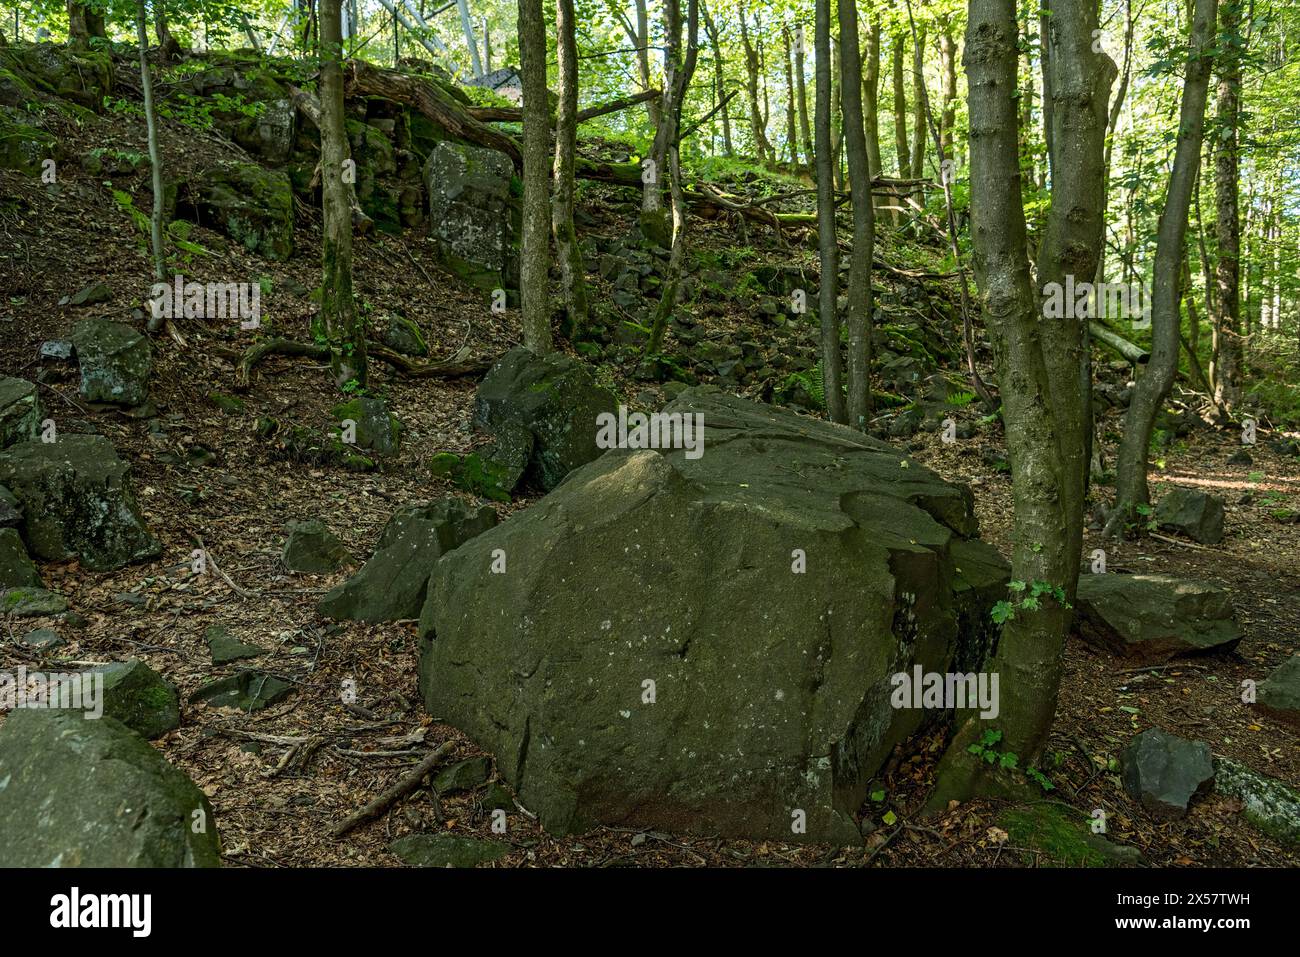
<point>1059,832</point>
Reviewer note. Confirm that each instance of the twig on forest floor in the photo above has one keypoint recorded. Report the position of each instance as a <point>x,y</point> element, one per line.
<point>403,787</point>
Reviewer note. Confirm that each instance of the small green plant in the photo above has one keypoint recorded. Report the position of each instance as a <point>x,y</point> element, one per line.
<point>986,749</point>
<point>1030,599</point>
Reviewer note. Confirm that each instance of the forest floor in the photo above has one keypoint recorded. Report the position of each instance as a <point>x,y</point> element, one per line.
<point>280,778</point>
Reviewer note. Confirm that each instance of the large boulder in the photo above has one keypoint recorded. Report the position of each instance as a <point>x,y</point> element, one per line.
<point>1195,514</point>
<point>23,147</point>
<point>92,793</point>
<point>1152,618</point>
<point>1279,695</point>
<point>707,644</point>
<point>471,215</point>
<point>115,362</point>
<point>554,399</point>
<point>16,567</point>
<point>83,77</point>
<point>78,502</point>
<point>392,585</point>
<point>1163,772</point>
<point>20,411</point>
<point>138,696</point>
<point>249,203</point>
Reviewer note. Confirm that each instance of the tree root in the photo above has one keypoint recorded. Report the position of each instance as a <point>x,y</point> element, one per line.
<point>455,367</point>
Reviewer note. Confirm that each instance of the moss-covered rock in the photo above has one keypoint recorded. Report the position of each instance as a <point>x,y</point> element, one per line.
<point>373,427</point>
<point>249,203</point>
<point>77,501</point>
<point>138,696</point>
<point>472,213</point>
<point>313,548</point>
<point>1064,837</point>
<point>20,411</point>
<point>84,793</point>
<point>16,568</point>
<point>447,850</point>
<point>83,76</point>
<point>115,362</point>
<point>23,147</point>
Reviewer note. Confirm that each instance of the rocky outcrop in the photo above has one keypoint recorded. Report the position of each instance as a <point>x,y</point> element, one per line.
<point>77,501</point>
<point>392,584</point>
<point>115,361</point>
<point>1153,618</point>
<point>93,793</point>
<point>554,400</point>
<point>708,644</point>
<point>471,214</point>
<point>250,204</point>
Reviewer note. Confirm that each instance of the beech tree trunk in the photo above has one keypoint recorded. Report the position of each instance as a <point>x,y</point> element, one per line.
<point>901,145</point>
<point>168,47</point>
<point>84,25</point>
<point>827,242</point>
<point>855,145</point>
<point>155,154</point>
<point>1225,370</point>
<point>791,127</point>
<point>337,323</point>
<point>871,100</point>
<point>804,129</point>
<point>572,269</point>
<point>1048,512</point>
<point>719,82</point>
<point>677,79</point>
<point>1131,489</point>
<point>757,126</point>
<point>534,246</point>
<point>918,105</point>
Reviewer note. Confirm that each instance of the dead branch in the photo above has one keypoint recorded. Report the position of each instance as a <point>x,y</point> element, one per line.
<point>404,786</point>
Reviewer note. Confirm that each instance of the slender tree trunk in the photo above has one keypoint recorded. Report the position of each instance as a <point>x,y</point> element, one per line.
<point>791,129</point>
<point>855,144</point>
<point>804,128</point>
<point>677,79</point>
<point>1112,123</point>
<point>900,112</point>
<point>155,154</point>
<point>719,71</point>
<point>566,135</point>
<point>168,48</point>
<point>871,100</point>
<point>534,247</point>
<point>827,242</point>
<point>1226,371</point>
<point>337,323</point>
<point>918,106</point>
<point>757,127</point>
<point>1131,488</point>
<point>1044,476</point>
<point>948,72</point>
<point>837,117</point>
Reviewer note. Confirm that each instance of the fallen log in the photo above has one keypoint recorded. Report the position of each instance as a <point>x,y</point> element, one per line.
<point>452,368</point>
<point>1108,337</point>
<point>513,114</point>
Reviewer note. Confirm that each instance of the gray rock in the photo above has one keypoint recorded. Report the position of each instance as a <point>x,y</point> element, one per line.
<point>1267,803</point>
<point>377,429</point>
<point>225,647</point>
<point>392,584</point>
<point>1279,695</point>
<point>1164,772</point>
<point>90,295</point>
<point>404,336</point>
<point>463,776</point>
<point>447,850</point>
<point>31,602</point>
<point>43,639</point>
<point>772,688</point>
<point>16,568</point>
<point>115,362</point>
<point>93,793</point>
<point>552,397</point>
<point>139,697</point>
<point>20,411</point>
<point>11,512</point>
<point>249,203</point>
<point>1153,618</point>
<point>471,214</point>
<point>313,548</point>
<point>57,349</point>
<point>78,502</point>
<point>247,691</point>
<point>1195,514</point>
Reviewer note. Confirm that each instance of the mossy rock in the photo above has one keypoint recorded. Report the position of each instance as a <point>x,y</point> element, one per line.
<point>24,148</point>
<point>247,202</point>
<point>447,850</point>
<point>139,697</point>
<point>1063,836</point>
<point>83,76</point>
<point>376,429</point>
